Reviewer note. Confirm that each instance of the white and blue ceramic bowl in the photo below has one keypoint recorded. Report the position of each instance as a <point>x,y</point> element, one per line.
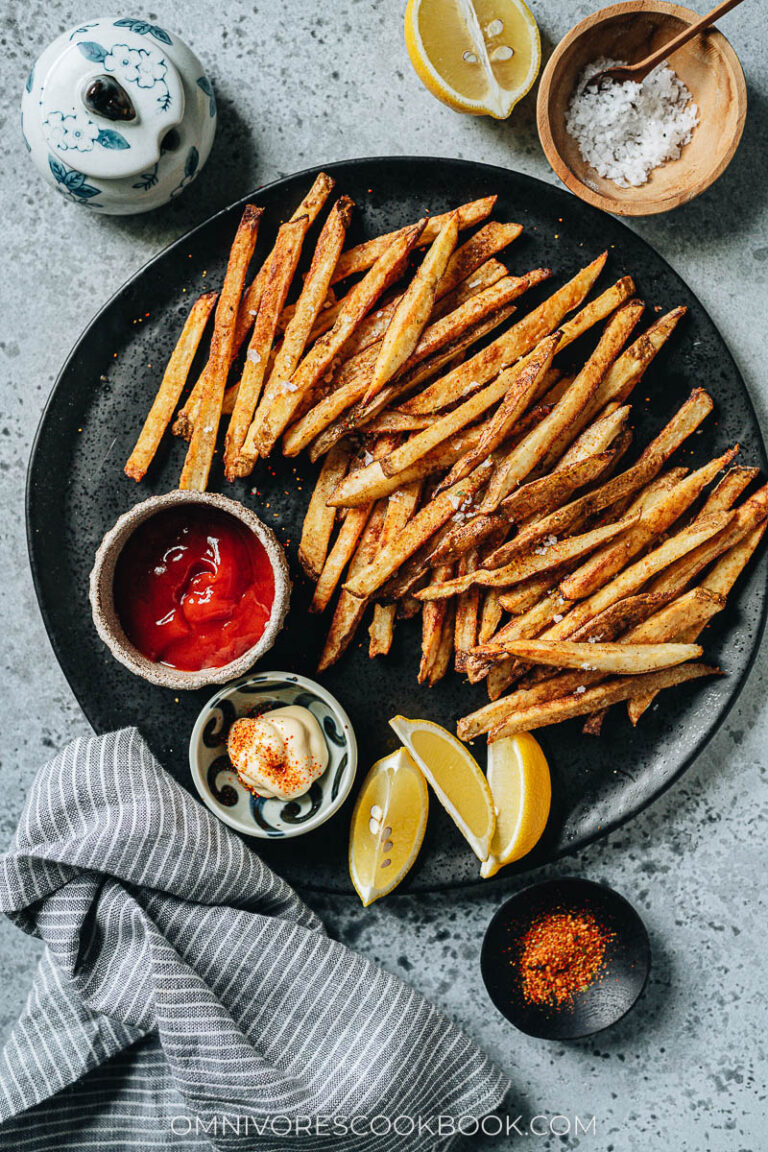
<point>217,783</point>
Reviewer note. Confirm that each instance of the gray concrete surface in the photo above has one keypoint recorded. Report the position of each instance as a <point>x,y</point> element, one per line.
<point>303,82</point>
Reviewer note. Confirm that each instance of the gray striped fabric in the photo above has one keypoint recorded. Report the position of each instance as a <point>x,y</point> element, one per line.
<point>188,999</point>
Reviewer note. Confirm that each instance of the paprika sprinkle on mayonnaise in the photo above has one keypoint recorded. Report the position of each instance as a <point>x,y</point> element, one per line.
<point>561,954</point>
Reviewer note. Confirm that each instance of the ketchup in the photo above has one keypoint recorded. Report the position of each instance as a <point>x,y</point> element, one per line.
<point>193,588</point>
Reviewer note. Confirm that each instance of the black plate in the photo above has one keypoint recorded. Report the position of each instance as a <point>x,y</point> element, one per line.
<point>76,491</point>
<point>623,973</point>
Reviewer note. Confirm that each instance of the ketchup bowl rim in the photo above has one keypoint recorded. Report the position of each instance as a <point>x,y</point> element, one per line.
<point>107,620</point>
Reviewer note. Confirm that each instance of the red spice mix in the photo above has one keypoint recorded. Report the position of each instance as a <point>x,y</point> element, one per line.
<point>561,954</point>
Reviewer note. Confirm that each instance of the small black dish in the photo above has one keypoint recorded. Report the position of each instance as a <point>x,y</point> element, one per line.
<point>622,977</point>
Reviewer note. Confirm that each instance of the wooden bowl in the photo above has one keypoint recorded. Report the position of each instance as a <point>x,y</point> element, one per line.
<point>707,65</point>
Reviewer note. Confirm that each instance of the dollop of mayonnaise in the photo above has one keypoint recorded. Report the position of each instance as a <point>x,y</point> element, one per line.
<point>279,754</point>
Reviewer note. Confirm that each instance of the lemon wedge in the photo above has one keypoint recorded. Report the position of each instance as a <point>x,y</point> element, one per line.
<point>479,56</point>
<point>388,825</point>
<point>518,775</point>
<point>456,778</point>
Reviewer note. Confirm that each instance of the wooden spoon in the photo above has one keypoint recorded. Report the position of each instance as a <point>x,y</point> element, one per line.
<point>640,70</point>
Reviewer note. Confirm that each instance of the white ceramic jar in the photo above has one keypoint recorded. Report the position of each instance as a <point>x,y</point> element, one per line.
<point>118,115</point>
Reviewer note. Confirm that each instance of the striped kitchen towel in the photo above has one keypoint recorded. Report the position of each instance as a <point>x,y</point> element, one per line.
<point>188,999</point>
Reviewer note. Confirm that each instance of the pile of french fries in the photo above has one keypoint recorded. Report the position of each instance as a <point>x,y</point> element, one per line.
<point>469,473</point>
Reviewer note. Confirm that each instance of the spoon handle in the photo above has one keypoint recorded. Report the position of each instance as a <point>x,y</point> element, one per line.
<point>687,34</point>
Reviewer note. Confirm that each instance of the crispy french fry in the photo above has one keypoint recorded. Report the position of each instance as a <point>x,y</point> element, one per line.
<point>171,387</point>
<point>654,520</point>
<point>491,614</point>
<point>515,386</point>
<point>716,586</point>
<point>351,382</point>
<point>357,304</point>
<point>349,611</point>
<point>530,452</point>
<point>597,437</point>
<point>433,617</point>
<point>631,579</point>
<point>517,341</point>
<point>381,629</point>
<point>529,564</point>
<point>594,699</point>
<point>622,376</point>
<point>394,421</point>
<point>444,654</point>
<point>418,530</point>
<point>728,489</point>
<point>522,382</point>
<point>197,464</point>
<point>687,567</point>
<point>320,517</point>
<point>339,556</point>
<point>364,256</point>
<point>413,310</point>
<point>474,254</point>
<point>276,408</point>
<point>625,659</point>
<point>282,266</point>
<point>249,304</point>
<point>467,611</point>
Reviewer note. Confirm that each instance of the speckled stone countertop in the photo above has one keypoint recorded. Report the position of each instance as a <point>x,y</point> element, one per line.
<point>302,83</point>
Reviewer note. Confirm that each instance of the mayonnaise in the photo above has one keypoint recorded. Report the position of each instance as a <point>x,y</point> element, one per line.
<point>279,754</point>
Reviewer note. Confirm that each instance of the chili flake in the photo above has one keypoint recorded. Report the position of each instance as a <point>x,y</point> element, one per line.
<point>561,954</point>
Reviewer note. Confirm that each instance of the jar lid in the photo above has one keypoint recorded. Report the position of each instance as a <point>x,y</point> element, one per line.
<point>108,100</point>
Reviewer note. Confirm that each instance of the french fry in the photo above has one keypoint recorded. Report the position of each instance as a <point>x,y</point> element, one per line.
<point>491,614</point>
<point>522,383</point>
<point>339,556</point>
<point>171,387</point>
<point>529,453</point>
<point>349,611</point>
<point>515,386</point>
<point>400,507</point>
<point>249,304</point>
<point>687,567</point>
<point>197,464</point>
<point>358,416</point>
<point>351,382</point>
<point>381,629</point>
<point>276,408</point>
<point>444,654</point>
<point>528,594</point>
<point>632,579</point>
<point>413,309</point>
<point>529,564</point>
<point>516,341</point>
<point>394,421</point>
<point>728,489</point>
<point>654,520</point>
<point>357,304</point>
<point>594,699</point>
<point>597,437</point>
<point>474,254</point>
<point>622,376</point>
<point>418,530</point>
<point>282,266</point>
<point>319,519</point>
<point>467,611</point>
<point>716,585</point>
<point>433,617</point>
<point>310,206</point>
<point>364,256</point>
<point>625,659</point>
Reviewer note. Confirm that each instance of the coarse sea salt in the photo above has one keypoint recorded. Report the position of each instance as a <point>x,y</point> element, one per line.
<point>625,129</point>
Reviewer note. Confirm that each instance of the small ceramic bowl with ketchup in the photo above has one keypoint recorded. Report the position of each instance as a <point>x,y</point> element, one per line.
<point>189,589</point>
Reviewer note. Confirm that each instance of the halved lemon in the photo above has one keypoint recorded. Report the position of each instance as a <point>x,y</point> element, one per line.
<point>479,56</point>
<point>456,778</point>
<point>518,775</point>
<point>388,825</point>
